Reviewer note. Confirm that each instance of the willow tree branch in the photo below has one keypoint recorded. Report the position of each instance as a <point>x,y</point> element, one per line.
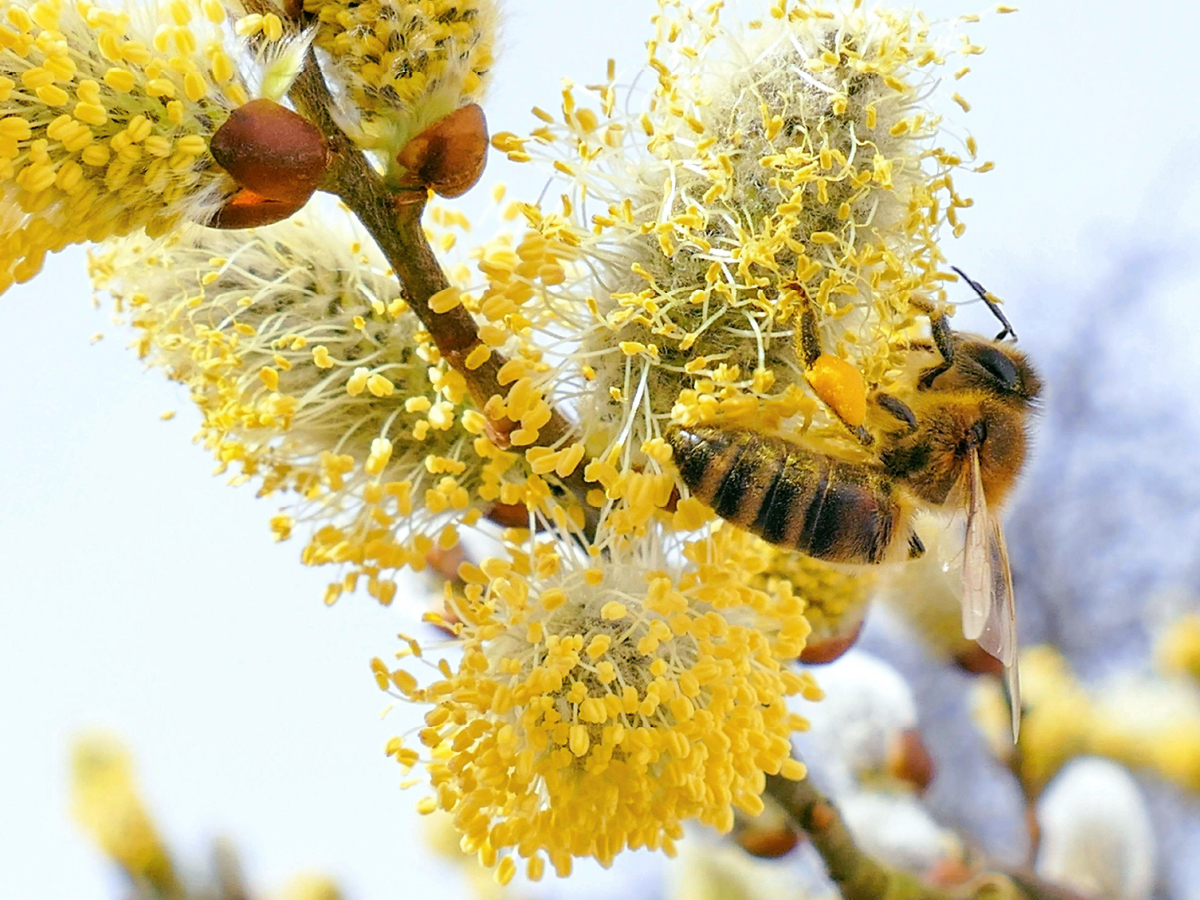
<point>393,218</point>
<point>859,877</point>
<point>1035,888</point>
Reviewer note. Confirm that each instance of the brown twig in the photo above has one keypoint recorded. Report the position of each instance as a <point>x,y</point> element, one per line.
<point>393,219</point>
<point>1035,888</point>
<point>859,877</point>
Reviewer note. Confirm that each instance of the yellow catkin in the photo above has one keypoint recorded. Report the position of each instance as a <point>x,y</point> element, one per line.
<point>107,804</point>
<point>402,80</point>
<point>696,301</point>
<point>96,156</point>
<point>333,405</point>
<point>535,722</point>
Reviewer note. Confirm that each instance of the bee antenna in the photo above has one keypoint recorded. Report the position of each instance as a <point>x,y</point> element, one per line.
<point>991,304</point>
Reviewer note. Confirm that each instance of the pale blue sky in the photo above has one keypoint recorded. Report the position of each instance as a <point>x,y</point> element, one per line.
<point>142,595</point>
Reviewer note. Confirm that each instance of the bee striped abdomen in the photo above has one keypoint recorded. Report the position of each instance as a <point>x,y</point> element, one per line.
<point>788,494</point>
<point>728,470</point>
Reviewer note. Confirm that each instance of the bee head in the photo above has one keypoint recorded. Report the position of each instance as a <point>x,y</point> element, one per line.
<point>981,404</point>
<point>994,367</point>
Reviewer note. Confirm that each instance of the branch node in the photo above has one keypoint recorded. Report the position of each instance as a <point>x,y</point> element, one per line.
<point>824,817</point>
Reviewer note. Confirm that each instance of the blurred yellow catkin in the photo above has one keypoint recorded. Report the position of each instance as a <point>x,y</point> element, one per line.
<point>1178,649</point>
<point>106,803</point>
<point>310,886</point>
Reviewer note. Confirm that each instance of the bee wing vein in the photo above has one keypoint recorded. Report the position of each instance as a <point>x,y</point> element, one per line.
<point>977,564</point>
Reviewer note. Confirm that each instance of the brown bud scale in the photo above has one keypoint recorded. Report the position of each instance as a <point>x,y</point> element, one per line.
<point>272,151</point>
<point>246,209</point>
<point>910,760</point>
<point>450,154</point>
<point>829,649</point>
<point>768,843</point>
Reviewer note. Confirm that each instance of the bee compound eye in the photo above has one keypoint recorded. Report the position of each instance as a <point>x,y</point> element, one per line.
<point>999,367</point>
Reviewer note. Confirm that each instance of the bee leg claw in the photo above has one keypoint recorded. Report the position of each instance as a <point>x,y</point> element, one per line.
<point>916,549</point>
<point>863,436</point>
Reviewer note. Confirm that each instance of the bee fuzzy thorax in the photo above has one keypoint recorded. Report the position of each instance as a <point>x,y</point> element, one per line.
<point>950,437</point>
<point>933,459</point>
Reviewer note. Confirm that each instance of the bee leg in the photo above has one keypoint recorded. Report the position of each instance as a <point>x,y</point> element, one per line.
<point>809,345</point>
<point>861,435</point>
<point>897,409</point>
<point>916,549</point>
<point>810,340</point>
<point>943,339</point>
<point>859,432</point>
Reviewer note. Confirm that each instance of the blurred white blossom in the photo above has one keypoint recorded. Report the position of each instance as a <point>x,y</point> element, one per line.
<point>1096,836</point>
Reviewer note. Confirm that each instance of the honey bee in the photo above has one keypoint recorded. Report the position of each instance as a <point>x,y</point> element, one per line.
<point>951,439</point>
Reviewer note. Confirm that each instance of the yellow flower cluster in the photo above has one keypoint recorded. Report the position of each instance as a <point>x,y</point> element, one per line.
<point>108,806</point>
<point>834,599</point>
<point>1056,722</point>
<point>791,167</point>
<point>105,118</point>
<point>312,375</point>
<point>601,699</point>
<point>1150,723</point>
<point>311,887</point>
<point>1141,723</point>
<point>1178,649</point>
<point>442,838</point>
<point>405,64</point>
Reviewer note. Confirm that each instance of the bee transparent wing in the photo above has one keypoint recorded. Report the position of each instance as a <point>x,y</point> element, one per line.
<point>989,612</point>
<point>977,578</point>
<point>1000,635</point>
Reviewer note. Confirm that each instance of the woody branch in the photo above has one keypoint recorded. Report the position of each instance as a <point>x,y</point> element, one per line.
<point>394,220</point>
<point>860,877</point>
